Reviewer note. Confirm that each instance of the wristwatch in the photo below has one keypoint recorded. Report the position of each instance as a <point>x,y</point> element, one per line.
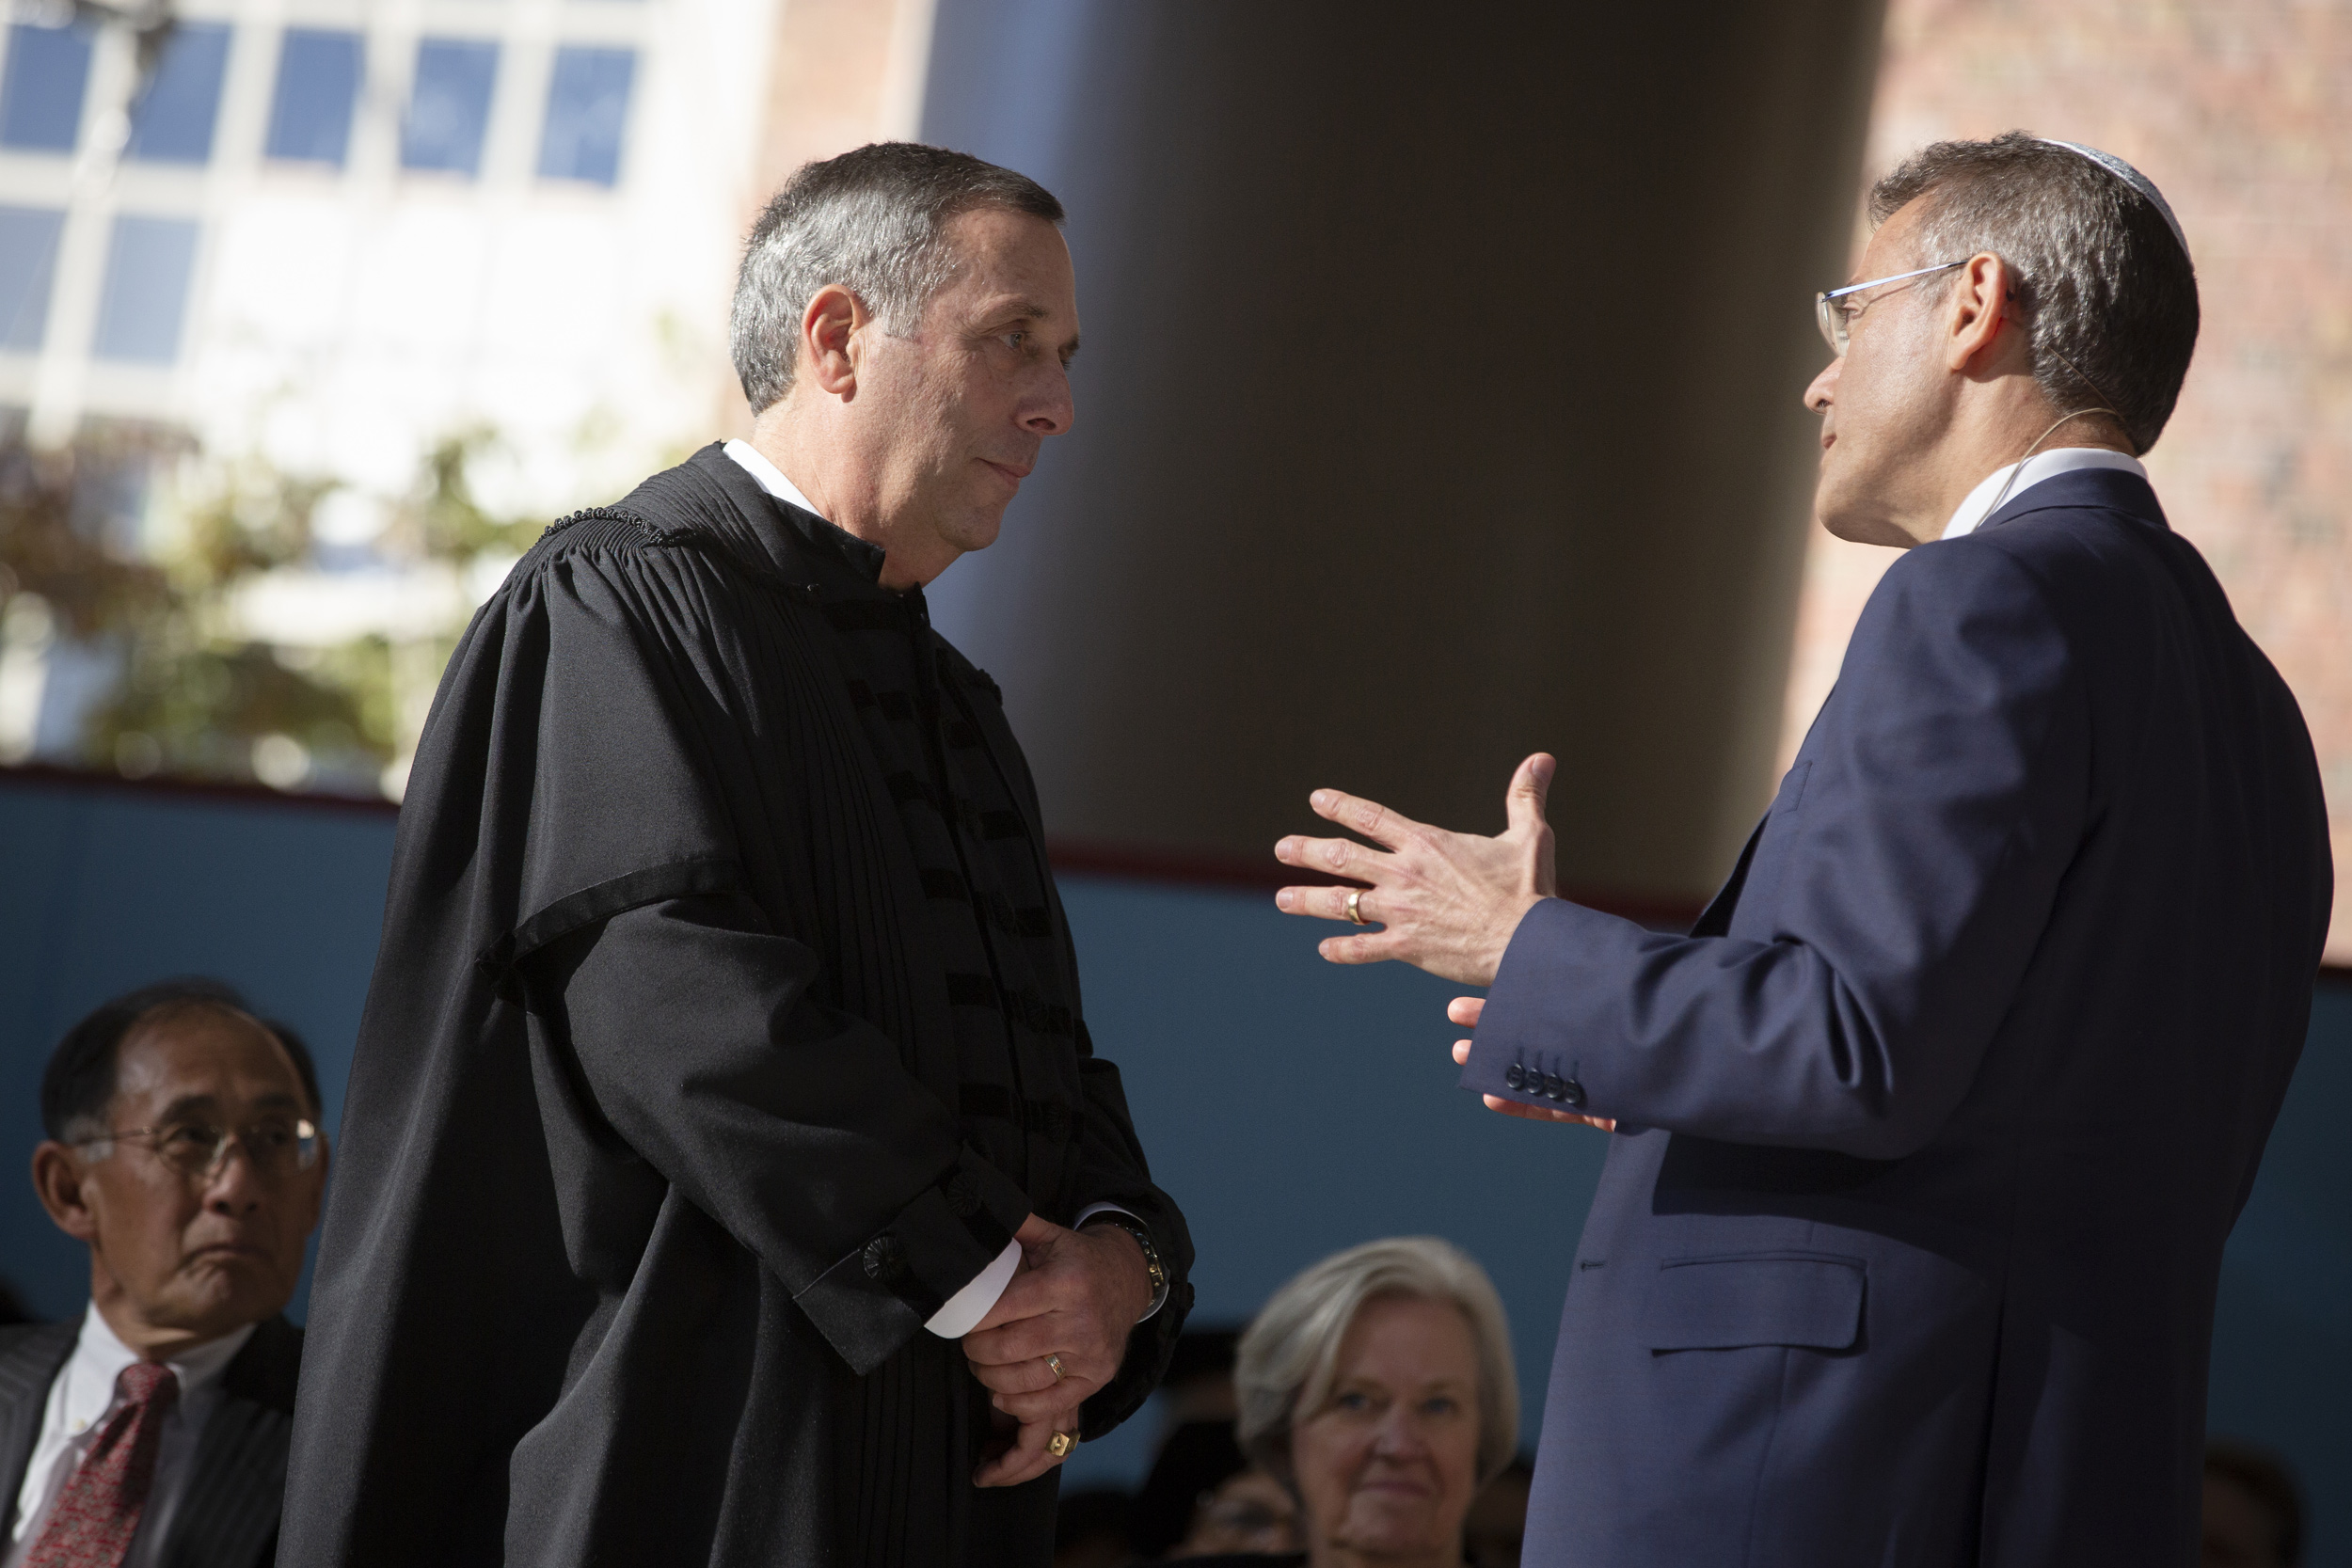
<point>1152,1264</point>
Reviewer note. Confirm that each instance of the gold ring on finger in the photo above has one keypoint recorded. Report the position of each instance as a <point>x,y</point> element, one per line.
<point>1053,1365</point>
<point>1061,1443</point>
<point>1356,908</point>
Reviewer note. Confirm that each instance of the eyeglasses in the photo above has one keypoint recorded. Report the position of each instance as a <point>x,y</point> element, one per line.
<point>274,1147</point>
<point>1835,309</point>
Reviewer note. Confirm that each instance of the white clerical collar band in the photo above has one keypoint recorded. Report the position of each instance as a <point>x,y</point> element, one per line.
<point>2131,177</point>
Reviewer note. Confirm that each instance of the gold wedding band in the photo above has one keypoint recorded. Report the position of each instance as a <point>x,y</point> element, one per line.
<point>1061,1443</point>
<point>1053,1365</point>
<point>1356,908</point>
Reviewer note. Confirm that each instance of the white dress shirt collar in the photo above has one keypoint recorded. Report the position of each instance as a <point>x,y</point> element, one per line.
<point>100,1359</point>
<point>80,1397</point>
<point>771,478</point>
<point>2041,466</point>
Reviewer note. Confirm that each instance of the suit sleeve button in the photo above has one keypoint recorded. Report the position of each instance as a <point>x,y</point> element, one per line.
<point>964,1196</point>
<point>1572,1091</point>
<point>885,1260</point>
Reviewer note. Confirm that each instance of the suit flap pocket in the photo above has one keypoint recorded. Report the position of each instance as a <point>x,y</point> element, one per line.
<point>1803,1300</point>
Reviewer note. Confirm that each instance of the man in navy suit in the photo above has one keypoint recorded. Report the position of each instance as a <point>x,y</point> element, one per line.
<point>1928,1137</point>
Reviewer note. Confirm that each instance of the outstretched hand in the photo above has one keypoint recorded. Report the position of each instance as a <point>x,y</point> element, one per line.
<point>1446,902</point>
<point>1466,1010</point>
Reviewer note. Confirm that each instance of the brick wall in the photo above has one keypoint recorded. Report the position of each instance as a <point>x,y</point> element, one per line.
<point>2239,115</point>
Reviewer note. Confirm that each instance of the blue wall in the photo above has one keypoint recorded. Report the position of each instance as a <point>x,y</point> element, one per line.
<point>1292,1106</point>
<point>103,889</point>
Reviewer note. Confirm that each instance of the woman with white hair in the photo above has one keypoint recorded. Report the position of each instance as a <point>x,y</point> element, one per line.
<point>1379,1386</point>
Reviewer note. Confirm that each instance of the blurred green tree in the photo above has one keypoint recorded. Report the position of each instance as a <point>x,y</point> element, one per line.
<point>49,545</point>
<point>198,694</point>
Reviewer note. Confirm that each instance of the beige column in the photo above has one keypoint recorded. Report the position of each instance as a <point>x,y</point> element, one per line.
<point>1439,404</point>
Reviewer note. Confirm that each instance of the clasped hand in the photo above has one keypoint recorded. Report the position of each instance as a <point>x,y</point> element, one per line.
<point>1076,1297</point>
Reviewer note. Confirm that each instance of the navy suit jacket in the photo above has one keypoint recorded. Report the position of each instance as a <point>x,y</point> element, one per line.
<point>1932,1131</point>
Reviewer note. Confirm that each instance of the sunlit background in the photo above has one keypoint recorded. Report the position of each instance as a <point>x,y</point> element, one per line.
<point>313,313</point>
<point>2240,113</point>
<point>308,338</point>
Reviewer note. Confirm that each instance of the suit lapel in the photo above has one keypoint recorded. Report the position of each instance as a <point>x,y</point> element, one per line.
<point>228,1515</point>
<point>29,1361</point>
<point>2111,488</point>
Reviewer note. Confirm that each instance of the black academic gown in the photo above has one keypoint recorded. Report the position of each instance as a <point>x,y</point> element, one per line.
<point>725,1025</point>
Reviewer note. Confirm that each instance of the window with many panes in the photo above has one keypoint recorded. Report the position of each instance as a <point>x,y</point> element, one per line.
<point>173,120</point>
<point>587,106</point>
<point>42,87</point>
<point>29,265</point>
<point>449,107</point>
<point>144,299</point>
<point>318,86</point>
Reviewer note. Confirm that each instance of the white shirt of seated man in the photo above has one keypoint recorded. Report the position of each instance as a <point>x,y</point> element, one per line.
<point>81,1400</point>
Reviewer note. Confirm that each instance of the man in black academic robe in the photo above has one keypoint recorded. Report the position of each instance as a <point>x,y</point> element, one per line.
<point>726,1030</point>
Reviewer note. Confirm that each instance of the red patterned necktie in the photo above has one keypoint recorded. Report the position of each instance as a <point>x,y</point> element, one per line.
<point>99,1510</point>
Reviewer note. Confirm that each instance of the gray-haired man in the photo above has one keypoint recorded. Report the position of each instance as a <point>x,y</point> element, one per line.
<point>1927,1137</point>
<point>730,1178</point>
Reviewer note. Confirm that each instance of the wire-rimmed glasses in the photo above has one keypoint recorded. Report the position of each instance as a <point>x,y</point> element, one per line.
<point>275,1146</point>
<point>1835,309</point>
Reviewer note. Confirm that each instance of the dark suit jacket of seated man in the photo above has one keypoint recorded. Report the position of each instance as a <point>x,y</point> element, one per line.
<point>154,1432</point>
<point>726,1149</point>
<point>1928,1137</point>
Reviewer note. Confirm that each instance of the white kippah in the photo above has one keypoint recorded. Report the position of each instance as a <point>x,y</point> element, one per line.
<point>2131,177</point>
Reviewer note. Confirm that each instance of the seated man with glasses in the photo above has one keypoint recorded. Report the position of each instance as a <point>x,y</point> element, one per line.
<point>183,1148</point>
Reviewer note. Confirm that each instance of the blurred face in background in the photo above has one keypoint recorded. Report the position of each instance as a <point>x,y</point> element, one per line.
<point>1249,1512</point>
<point>180,1256</point>
<point>1388,1466</point>
<point>2240,1529</point>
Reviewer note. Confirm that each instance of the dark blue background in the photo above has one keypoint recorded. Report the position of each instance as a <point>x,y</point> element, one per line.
<point>1291,1106</point>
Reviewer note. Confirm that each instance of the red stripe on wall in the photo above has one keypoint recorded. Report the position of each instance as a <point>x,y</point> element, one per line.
<point>1085,857</point>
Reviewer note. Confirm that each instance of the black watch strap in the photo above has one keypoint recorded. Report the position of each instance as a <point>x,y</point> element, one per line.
<point>1151,1263</point>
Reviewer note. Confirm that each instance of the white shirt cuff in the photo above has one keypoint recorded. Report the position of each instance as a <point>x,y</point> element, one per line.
<point>963,1310</point>
<point>966,1307</point>
<point>1093,1209</point>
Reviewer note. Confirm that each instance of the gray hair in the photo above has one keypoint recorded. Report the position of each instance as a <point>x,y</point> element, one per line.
<point>869,221</point>
<point>2108,294</point>
<point>1289,1356</point>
